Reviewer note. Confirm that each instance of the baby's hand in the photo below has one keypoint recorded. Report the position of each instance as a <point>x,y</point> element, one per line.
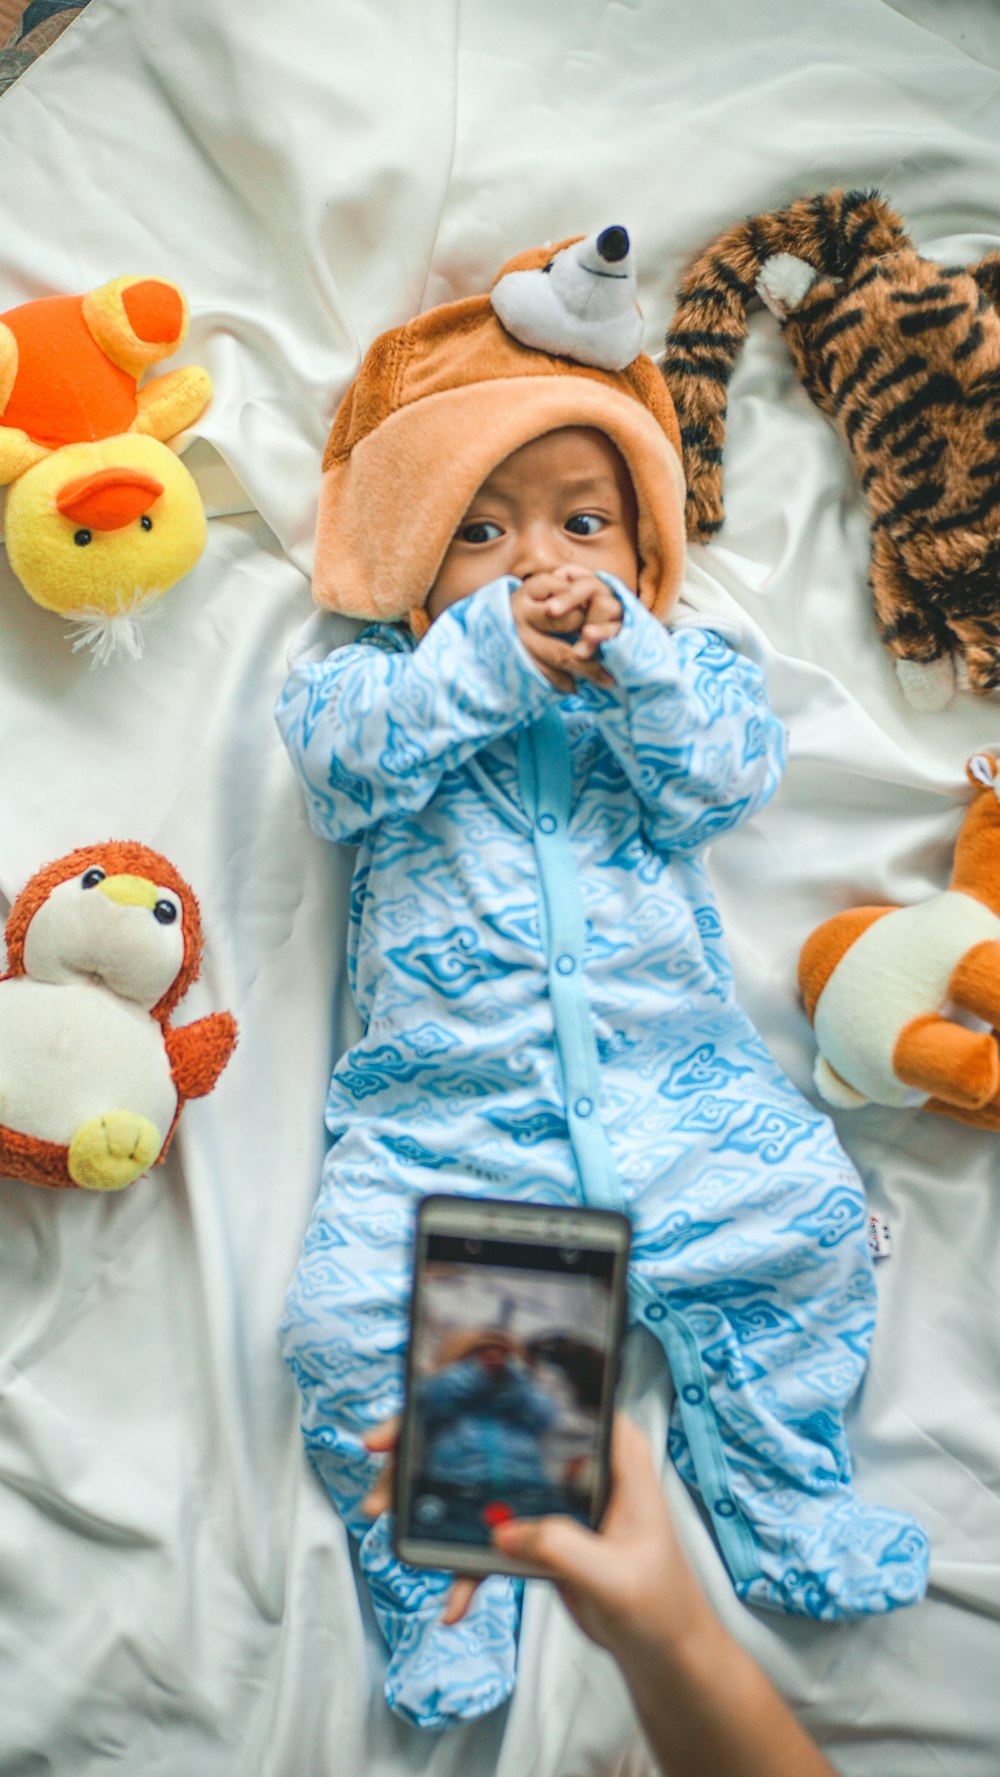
<point>550,608</point>
<point>596,612</point>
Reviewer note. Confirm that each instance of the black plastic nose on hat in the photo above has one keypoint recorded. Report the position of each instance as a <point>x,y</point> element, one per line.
<point>612,244</point>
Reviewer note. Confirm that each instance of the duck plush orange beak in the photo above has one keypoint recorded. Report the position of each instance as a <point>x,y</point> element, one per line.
<point>101,517</point>
<point>109,499</point>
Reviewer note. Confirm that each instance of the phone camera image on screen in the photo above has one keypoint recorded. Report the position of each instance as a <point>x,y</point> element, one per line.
<point>508,1373</point>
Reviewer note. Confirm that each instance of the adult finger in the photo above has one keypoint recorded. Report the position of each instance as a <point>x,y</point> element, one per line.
<point>382,1437</point>
<point>458,1600</point>
<point>559,1547</point>
<point>381,1440</point>
<point>379,1499</point>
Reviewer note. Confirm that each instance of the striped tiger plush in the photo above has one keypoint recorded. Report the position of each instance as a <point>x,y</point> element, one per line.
<point>904,355</point>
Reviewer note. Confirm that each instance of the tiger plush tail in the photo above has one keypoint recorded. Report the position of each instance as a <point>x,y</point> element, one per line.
<point>832,231</point>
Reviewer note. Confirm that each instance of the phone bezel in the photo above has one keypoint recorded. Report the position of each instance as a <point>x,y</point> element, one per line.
<point>536,1224</point>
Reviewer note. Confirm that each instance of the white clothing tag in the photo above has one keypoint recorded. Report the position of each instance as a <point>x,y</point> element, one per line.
<point>879,1237</point>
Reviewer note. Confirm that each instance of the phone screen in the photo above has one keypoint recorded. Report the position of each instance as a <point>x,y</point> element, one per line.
<point>512,1368</point>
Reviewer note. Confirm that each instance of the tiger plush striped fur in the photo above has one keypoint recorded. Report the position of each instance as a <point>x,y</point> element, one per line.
<point>904,356</point>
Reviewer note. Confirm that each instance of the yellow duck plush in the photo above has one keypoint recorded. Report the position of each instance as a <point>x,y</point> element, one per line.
<point>101,515</point>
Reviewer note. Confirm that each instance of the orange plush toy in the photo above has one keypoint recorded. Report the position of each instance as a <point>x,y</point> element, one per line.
<point>101,947</point>
<point>878,981</point>
<point>101,517</point>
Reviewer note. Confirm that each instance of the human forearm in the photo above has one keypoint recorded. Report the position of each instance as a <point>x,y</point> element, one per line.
<point>708,1711</point>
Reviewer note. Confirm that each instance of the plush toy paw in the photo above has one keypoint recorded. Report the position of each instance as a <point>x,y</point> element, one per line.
<point>783,281</point>
<point>108,1152</point>
<point>927,684</point>
<point>833,1089</point>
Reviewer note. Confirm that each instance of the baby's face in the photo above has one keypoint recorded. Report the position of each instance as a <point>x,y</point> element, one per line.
<point>564,498</point>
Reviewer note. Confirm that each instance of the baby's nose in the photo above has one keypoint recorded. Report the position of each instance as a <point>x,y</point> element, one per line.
<point>541,548</point>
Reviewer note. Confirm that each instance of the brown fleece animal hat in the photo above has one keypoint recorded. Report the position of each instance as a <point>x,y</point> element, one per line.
<point>437,404</point>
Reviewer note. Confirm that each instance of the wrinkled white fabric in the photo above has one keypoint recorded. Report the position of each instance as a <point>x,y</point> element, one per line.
<point>175,1593</point>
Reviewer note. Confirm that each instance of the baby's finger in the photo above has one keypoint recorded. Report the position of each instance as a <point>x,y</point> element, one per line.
<point>568,572</point>
<point>592,637</point>
<point>566,611</point>
<point>539,587</point>
<point>597,674</point>
<point>584,592</point>
<point>590,669</point>
<point>458,1600</point>
<point>553,656</point>
<point>564,621</point>
<point>604,606</point>
<point>533,613</point>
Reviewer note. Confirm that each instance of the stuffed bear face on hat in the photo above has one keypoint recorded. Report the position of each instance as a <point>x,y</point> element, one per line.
<point>440,402</point>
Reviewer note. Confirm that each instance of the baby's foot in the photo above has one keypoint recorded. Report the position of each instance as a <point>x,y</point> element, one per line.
<point>439,1675</point>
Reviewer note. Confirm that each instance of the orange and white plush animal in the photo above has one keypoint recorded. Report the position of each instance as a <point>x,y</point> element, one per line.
<point>101,515</point>
<point>101,947</point>
<point>885,987</point>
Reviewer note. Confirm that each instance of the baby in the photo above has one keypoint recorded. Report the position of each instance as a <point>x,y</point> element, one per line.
<point>531,765</point>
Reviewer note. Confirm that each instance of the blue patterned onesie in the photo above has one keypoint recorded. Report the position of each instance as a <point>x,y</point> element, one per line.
<point>549,1014</point>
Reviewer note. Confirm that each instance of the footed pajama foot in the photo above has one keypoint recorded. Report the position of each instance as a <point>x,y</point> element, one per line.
<point>439,1676</point>
<point>850,1560</point>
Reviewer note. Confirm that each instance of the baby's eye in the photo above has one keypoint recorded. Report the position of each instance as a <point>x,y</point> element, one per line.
<point>584,524</point>
<point>483,530</point>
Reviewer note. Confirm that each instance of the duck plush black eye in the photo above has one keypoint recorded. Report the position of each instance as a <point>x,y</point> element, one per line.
<point>146,522</point>
<point>92,877</point>
<point>165,912</point>
<point>82,538</point>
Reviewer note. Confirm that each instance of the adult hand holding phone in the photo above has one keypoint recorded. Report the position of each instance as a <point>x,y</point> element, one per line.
<point>626,1583</point>
<point>706,1707</point>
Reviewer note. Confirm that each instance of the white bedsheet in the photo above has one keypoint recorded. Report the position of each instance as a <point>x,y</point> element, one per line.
<point>176,1595</point>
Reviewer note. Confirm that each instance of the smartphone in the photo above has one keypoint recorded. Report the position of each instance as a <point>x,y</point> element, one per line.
<point>516,1319</point>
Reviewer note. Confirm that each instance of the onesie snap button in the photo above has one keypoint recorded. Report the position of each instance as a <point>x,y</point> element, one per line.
<point>725,1508</point>
<point>583,1107</point>
<point>692,1394</point>
<point>546,823</point>
<point>565,963</point>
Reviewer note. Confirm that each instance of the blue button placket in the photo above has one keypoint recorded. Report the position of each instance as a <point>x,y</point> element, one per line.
<point>545,784</point>
<point>545,781</point>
